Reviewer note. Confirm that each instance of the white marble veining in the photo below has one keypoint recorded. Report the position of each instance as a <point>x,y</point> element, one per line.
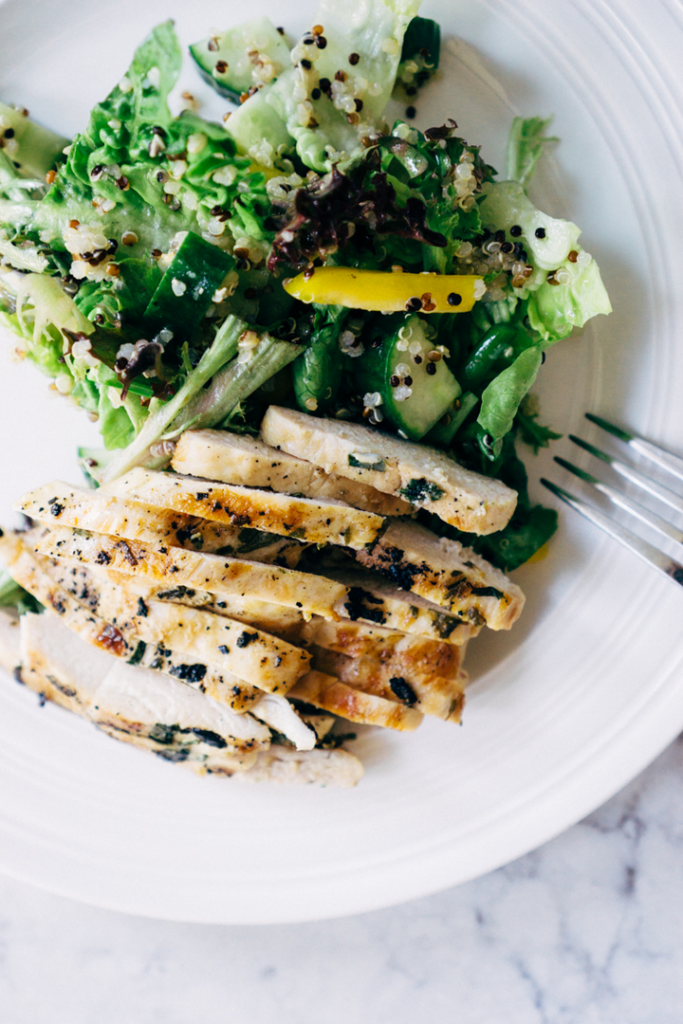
<point>586,930</point>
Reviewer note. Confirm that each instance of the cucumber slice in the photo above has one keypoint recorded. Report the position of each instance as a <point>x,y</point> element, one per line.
<point>416,391</point>
<point>446,429</point>
<point>258,124</point>
<point>93,462</point>
<point>419,58</point>
<point>422,39</point>
<point>251,54</point>
<point>37,148</point>
<point>186,290</point>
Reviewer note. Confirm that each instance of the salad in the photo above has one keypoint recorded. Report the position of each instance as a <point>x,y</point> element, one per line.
<point>155,266</point>
<point>335,325</point>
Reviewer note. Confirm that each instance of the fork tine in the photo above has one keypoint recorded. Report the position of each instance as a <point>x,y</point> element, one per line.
<point>627,504</point>
<point>629,473</point>
<point>654,452</point>
<point>647,552</point>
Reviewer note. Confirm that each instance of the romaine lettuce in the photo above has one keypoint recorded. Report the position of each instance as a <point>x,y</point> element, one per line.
<point>569,300</point>
<point>332,97</point>
<point>527,143</point>
<point>500,400</point>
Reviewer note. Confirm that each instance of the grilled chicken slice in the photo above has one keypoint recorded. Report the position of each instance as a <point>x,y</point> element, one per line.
<point>437,696</point>
<point>63,683</point>
<point>372,598</point>
<point>278,713</point>
<point>310,767</point>
<point>415,658</point>
<point>445,573</point>
<point>272,618</point>
<point>247,653</point>
<point>305,519</point>
<point>100,595</point>
<point>239,459</point>
<point>61,504</point>
<point>321,723</point>
<point>426,477</point>
<point>133,701</point>
<point>33,574</point>
<point>110,618</point>
<point>217,574</point>
<point>397,609</point>
<point>327,692</point>
<point>132,705</point>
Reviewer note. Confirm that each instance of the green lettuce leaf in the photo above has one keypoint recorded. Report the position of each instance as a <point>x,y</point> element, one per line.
<point>12,595</point>
<point>43,318</point>
<point>114,422</point>
<point>500,400</point>
<point>150,177</point>
<point>329,132</point>
<point>548,240</point>
<point>527,143</point>
<point>565,289</point>
<point>555,309</point>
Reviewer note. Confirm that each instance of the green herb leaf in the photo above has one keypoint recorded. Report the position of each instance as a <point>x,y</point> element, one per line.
<point>527,143</point>
<point>529,430</point>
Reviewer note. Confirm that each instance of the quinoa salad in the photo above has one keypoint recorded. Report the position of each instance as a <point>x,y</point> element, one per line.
<point>309,339</point>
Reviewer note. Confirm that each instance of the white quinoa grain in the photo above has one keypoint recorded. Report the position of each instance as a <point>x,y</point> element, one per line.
<point>177,169</point>
<point>196,142</point>
<point>225,175</point>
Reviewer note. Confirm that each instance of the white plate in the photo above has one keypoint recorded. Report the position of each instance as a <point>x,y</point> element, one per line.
<point>564,711</point>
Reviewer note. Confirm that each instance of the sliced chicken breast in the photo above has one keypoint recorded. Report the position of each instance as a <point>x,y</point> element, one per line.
<point>135,701</point>
<point>305,519</point>
<point>309,767</point>
<point>327,692</point>
<point>240,459</point>
<point>416,658</point>
<point>61,504</point>
<point>425,477</point>
<point>372,598</point>
<point>437,696</point>
<point>445,573</point>
<point>217,574</point>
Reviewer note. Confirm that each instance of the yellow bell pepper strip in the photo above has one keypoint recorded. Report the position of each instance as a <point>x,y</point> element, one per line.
<point>388,292</point>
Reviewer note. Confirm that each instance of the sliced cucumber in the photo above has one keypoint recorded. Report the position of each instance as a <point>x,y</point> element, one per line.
<point>258,124</point>
<point>416,390</point>
<point>449,425</point>
<point>419,58</point>
<point>37,148</point>
<point>422,38</point>
<point>251,54</point>
<point>186,290</point>
<point>93,462</point>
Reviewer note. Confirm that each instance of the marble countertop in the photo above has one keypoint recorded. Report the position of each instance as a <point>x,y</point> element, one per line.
<point>586,930</point>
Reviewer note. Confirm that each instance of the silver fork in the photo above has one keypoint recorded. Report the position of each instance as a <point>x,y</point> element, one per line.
<point>666,460</point>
